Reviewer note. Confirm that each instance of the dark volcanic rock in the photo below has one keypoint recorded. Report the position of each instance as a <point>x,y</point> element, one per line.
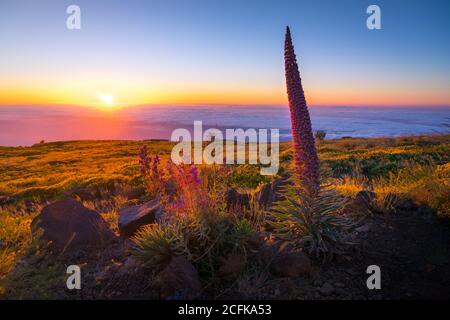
<point>425,210</point>
<point>363,228</point>
<point>67,223</point>
<point>269,193</point>
<point>406,204</point>
<point>326,289</point>
<point>236,199</point>
<point>232,266</point>
<point>291,264</point>
<point>179,280</point>
<point>134,217</point>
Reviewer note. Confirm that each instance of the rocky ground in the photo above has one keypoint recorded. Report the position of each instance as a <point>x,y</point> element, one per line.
<point>411,250</point>
<point>411,247</point>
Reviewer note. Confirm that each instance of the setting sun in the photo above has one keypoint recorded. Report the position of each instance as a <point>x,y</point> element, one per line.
<point>107,99</point>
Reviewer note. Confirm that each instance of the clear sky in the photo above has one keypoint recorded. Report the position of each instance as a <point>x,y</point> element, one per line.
<point>229,51</point>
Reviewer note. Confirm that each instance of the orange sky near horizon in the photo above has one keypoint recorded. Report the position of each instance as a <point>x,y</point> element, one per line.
<point>82,95</point>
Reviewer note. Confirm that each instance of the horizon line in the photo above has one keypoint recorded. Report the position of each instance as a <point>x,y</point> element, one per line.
<point>203,104</point>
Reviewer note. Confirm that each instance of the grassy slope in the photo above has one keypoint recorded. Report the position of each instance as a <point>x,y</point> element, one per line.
<point>45,170</point>
<point>417,167</point>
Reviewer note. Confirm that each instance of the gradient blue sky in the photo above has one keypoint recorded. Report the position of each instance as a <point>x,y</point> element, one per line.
<point>224,52</point>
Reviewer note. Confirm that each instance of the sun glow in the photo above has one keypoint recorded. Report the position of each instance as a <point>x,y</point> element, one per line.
<point>107,99</point>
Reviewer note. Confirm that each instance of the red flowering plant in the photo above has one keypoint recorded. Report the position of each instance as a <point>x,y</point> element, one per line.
<point>309,216</point>
<point>183,189</point>
<point>150,168</point>
<point>190,190</point>
<point>197,222</point>
<point>306,162</point>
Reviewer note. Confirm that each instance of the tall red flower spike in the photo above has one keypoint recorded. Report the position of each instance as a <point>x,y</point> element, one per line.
<point>306,162</point>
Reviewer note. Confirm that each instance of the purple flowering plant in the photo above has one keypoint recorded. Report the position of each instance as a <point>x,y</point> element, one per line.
<point>182,189</point>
